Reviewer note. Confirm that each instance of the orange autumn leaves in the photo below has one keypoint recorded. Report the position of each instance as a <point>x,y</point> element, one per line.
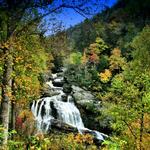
<point>92,56</point>
<point>92,53</point>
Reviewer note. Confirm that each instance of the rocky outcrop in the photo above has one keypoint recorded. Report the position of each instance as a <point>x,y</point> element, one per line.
<point>61,126</point>
<point>81,94</point>
<point>84,97</point>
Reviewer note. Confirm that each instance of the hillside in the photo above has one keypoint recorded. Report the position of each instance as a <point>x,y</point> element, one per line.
<point>116,26</point>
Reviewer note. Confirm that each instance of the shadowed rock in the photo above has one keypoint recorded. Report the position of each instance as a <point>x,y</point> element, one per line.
<point>54,110</point>
<point>61,126</point>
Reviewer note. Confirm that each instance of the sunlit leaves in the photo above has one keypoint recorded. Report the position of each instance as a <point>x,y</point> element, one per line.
<point>116,61</point>
<point>84,58</point>
<point>105,76</point>
<point>87,138</point>
<point>75,58</point>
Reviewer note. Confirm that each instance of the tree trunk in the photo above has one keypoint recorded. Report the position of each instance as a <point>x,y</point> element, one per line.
<point>141,127</point>
<point>6,94</point>
<point>13,114</point>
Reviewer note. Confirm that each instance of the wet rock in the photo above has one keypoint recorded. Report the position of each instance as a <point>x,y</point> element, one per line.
<point>61,126</point>
<point>43,111</point>
<point>39,106</point>
<point>70,99</point>
<point>54,110</point>
<point>88,106</point>
<point>60,74</point>
<point>64,98</point>
<point>68,112</point>
<point>98,137</point>
<point>58,82</point>
<point>67,88</point>
<point>56,70</point>
<point>49,93</point>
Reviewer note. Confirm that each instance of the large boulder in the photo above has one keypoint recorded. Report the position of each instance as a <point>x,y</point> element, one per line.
<point>90,108</point>
<point>84,97</point>
<point>67,88</point>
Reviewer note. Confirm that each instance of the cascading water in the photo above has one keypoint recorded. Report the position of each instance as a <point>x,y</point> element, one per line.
<point>55,107</point>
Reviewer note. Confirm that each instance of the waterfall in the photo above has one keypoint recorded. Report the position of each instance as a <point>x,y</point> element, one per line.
<point>61,107</point>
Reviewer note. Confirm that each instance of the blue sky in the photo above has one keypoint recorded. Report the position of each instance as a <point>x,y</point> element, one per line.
<point>69,17</point>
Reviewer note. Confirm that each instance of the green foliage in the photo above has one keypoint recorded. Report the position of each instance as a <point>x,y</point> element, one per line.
<point>118,71</point>
<point>141,46</point>
<point>12,144</point>
<point>3,25</point>
<point>114,144</point>
<point>30,60</point>
<point>99,46</point>
<point>75,58</point>
<point>58,47</point>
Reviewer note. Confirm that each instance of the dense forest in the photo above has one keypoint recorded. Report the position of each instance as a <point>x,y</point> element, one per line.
<point>105,65</point>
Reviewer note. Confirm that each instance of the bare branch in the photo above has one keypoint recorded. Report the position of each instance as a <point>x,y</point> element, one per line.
<point>131,130</point>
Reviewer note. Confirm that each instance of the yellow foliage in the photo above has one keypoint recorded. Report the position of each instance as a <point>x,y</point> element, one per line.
<point>116,61</point>
<point>26,114</point>
<point>136,128</point>
<point>29,66</point>
<point>84,58</point>
<point>6,45</point>
<point>40,136</point>
<point>9,94</point>
<point>86,138</point>
<point>2,128</point>
<point>116,52</point>
<point>93,47</point>
<point>18,59</point>
<point>105,76</point>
